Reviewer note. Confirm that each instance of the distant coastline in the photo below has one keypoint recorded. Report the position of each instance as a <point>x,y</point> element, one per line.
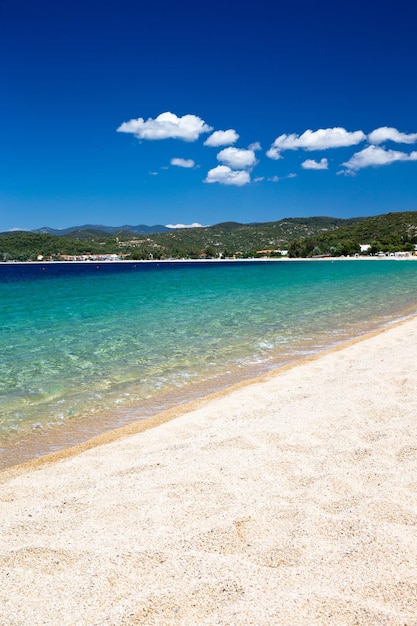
<point>410,257</point>
<point>302,238</point>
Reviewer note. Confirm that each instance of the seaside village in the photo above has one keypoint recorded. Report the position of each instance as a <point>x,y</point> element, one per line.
<point>364,253</point>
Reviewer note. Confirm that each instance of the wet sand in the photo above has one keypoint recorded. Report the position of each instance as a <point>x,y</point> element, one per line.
<point>290,500</point>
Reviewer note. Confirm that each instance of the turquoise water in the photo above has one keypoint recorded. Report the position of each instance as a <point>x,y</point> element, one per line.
<point>78,343</point>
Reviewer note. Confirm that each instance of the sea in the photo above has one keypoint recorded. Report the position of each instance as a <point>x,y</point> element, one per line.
<point>88,347</point>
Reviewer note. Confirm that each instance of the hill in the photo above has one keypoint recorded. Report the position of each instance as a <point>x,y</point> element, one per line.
<point>389,232</point>
<point>141,229</point>
<point>302,237</point>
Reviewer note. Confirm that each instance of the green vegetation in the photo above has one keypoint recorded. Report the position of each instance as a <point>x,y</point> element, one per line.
<point>27,246</point>
<point>392,232</point>
<point>302,237</point>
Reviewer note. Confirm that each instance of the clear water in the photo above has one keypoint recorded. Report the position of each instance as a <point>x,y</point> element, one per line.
<point>87,340</point>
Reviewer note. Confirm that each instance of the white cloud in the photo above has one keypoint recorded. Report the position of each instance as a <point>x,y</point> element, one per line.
<point>273,153</point>
<point>387,133</point>
<point>237,158</point>
<point>321,139</point>
<point>194,225</point>
<point>277,179</point>
<point>311,164</point>
<point>166,126</point>
<point>273,179</point>
<point>182,162</point>
<point>255,146</point>
<point>226,176</point>
<point>375,156</point>
<point>222,138</point>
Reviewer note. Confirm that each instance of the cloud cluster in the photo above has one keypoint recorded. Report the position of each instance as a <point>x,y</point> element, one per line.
<point>326,138</point>
<point>386,133</point>
<point>237,158</point>
<point>375,156</point>
<point>224,175</point>
<point>311,164</point>
<point>236,164</point>
<point>222,138</point>
<point>166,126</point>
<point>321,139</point>
<point>187,163</point>
<point>235,168</point>
<point>194,225</point>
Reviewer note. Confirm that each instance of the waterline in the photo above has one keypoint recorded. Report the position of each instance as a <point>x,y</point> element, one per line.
<point>93,350</point>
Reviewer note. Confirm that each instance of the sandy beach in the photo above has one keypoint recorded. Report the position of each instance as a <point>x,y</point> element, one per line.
<point>288,501</point>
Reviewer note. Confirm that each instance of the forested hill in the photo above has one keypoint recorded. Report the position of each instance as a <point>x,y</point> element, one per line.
<point>302,237</point>
<point>390,232</point>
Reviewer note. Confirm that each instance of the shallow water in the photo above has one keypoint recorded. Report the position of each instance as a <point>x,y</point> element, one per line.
<point>99,345</point>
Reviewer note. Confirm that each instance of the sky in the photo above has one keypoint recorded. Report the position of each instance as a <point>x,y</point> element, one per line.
<point>122,112</point>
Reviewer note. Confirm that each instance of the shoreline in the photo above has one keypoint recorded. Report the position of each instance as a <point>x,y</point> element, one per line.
<point>289,499</point>
<point>410,257</point>
<point>60,436</point>
<point>183,408</point>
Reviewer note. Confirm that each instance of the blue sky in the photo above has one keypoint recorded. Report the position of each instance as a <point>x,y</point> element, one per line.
<point>179,113</point>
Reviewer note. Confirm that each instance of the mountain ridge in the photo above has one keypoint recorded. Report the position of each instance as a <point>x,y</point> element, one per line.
<point>299,237</point>
<point>140,229</point>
